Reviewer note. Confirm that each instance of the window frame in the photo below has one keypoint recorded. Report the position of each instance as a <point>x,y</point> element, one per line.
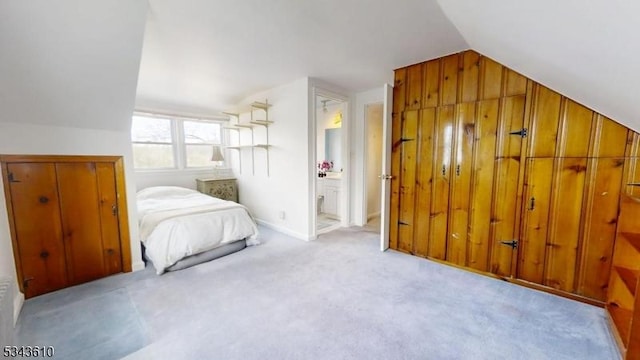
<point>178,141</point>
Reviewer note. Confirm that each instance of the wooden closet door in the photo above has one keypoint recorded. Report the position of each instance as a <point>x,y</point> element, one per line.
<point>396,156</point>
<point>406,216</point>
<point>569,221</point>
<point>599,214</point>
<point>424,180</point>
<point>565,212</point>
<point>481,193</point>
<point>537,197</point>
<point>36,216</point>
<point>443,145</point>
<point>80,209</point>
<point>464,135</point>
<point>106,180</point>
<point>504,204</point>
<point>552,222</point>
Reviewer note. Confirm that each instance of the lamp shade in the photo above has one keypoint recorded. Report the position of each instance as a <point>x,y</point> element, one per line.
<point>216,154</point>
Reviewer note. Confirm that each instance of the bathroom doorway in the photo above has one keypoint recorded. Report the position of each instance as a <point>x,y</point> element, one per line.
<point>330,113</point>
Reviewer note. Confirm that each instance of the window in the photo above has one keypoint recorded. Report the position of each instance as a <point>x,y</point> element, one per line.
<point>173,143</point>
<point>199,138</point>
<point>152,143</point>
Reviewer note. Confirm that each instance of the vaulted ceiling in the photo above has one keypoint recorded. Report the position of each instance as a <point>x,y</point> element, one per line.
<point>202,56</point>
<point>70,63</point>
<point>586,50</point>
<point>76,63</point>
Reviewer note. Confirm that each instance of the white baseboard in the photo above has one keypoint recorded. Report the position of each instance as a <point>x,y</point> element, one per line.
<point>18,301</point>
<point>329,228</point>
<point>284,230</point>
<point>137,265</point>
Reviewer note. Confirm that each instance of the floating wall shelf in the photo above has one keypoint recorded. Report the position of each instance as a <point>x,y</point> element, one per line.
<point>252,109</point>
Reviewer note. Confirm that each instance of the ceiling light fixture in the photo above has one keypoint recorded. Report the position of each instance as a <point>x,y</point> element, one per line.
<point>324,105</point>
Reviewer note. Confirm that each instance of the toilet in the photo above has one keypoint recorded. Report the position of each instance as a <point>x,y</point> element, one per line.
<point>319,204</point>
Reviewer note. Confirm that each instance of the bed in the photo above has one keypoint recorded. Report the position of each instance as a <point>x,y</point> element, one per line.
<point>181,227</point>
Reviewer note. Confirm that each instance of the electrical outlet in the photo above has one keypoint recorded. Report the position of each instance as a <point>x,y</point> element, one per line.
<point>281,215</point>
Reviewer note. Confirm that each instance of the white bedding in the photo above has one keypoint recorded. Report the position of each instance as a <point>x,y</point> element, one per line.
<point>177,222</point>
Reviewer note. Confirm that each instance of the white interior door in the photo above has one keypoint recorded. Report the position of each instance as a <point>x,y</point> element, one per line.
<point>385,177</point>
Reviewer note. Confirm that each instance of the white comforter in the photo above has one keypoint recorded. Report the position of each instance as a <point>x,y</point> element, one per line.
<point>176,222</point>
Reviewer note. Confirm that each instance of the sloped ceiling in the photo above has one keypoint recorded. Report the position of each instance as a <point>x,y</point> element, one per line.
<point>202,56</point>
<point>585,50</point>
<point>70,62</point>
<point>75,63</point>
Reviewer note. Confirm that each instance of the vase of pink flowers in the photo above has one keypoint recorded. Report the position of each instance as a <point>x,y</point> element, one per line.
<point>323,167</point>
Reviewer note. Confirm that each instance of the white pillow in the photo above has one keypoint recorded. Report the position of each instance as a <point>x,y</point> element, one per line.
<point>155,192</point>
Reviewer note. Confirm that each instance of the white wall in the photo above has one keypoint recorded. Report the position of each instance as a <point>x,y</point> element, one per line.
<point>373,157</point>
<point>183,178</point>
<point>286,188</point>
<point>69,62</point>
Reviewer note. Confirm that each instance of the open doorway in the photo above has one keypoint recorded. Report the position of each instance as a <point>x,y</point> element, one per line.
<point>372,173</point>
<point>373,164</point>
<point>330,163</point>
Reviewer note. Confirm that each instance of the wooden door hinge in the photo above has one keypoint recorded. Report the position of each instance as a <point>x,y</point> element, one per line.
<point>512,243</point>
<point>522,132</point>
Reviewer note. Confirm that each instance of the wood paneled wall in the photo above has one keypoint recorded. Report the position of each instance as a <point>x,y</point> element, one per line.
<point>495,172</point>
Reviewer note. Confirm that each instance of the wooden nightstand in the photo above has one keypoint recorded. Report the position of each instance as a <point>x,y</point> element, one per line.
<point>225,189</point>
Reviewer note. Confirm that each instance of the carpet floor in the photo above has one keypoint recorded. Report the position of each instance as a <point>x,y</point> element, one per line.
<point>338,297</point>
